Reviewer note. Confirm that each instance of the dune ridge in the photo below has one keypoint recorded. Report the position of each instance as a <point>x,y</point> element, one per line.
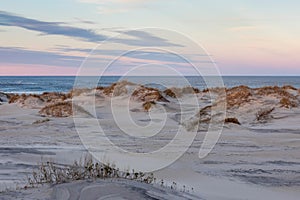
<point>237,98</point>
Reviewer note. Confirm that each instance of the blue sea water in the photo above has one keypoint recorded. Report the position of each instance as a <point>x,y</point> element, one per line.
<point>40,84</point>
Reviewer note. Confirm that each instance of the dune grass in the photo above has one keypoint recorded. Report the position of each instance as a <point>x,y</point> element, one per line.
<point>53,173</point>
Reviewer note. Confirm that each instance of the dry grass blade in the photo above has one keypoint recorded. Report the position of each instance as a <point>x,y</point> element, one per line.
<point>264,114</point>
<point>52,173</point>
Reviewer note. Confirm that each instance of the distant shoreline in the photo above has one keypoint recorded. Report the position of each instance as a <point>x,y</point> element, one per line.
<point>41,84</point>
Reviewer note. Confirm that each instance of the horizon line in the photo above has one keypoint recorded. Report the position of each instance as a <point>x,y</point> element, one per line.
<point>230,75</point>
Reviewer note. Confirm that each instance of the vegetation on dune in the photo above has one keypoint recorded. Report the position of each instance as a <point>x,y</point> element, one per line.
<point>143,93</point>
<point>54,96</point>
<point>100,88</point>
<point>78,91</point>
<point>238,96</point>
<point>287,99</point>
<point>273,90</point>
<point>287,103</point>
<point>288,87</point>
<point>14,98</point>
<point>86,169</point>
<point>148,105</point>
<point>178,92</point>
<point>57,104</point>
<point>52,173</point>
<point>46,97</point>
<point>170,92</point>
<point>41,121</point>
<point>62,109</point>
<point>232,120</point>
<point>264,115</point>
<point>218,90</point>
<point>117,88</point>
<point>203,117</point>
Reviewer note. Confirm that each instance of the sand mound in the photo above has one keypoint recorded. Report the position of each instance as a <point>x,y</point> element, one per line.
<point>142,93</point>
<point>237,96</point>
<point>200,120</point>
<point>217,90</point>
<point>99,189</point>
<point>79,91</point>
<point>171,92</point>
<point>179,92</point>
<point>15,97</point>
<point>288,103</point>
<point>54,97</point>
<point>35,101</point>
<point>32,101</point>
<point>273,90</point>
<point>60,109</point>
<point>289,87</point>
<point>139,93</point>
<point>117,89</point>
<point>286,95</point>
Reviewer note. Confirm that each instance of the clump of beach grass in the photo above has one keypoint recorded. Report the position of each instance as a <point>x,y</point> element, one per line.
<point>62,109</point>
<point>50,173</point>
<point>148,105</point>
<point>178,92</point>
<point>238,96</point>
<point>53,173</point>
<point>41,121</point>
<point>232,120</point>
<point>287,103</point>
<point>264,115</point>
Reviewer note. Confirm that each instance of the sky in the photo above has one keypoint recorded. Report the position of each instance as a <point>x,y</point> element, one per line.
<point>239,37</point>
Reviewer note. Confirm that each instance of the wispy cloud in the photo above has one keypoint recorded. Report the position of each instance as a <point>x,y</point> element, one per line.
<point>58,57</point>
<point>138,38</point>
<point>141,55</point>
<point>16,55</point>
<point>143,38</point>
<point>49,28</point>
<point>84,21</point>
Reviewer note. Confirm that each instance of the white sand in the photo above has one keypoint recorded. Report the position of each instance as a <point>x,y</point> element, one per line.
<point>251,161</point>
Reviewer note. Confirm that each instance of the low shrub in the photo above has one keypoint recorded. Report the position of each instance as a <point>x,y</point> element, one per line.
<point>287,103</point>
<point>264,114</point>
<point>52,173</point>
<point>232,120</point>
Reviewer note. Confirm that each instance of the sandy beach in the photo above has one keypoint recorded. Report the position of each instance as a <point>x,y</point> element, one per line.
<point>256,156</point>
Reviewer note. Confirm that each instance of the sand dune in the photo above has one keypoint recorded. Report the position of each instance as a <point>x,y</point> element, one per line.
<point>256,157</point>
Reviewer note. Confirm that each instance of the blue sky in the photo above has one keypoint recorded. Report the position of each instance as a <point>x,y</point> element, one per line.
<point>53,37</point>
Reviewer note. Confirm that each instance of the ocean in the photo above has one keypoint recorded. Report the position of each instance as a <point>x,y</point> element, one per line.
<point>40,84</point>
